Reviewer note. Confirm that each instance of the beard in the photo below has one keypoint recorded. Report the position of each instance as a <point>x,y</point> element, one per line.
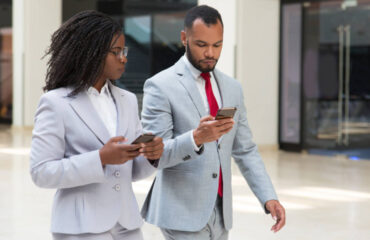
<point>196,63</point>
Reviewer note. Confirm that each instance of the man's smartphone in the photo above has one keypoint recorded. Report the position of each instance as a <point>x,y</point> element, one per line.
<point>227,112</point>
<point>144,138</point>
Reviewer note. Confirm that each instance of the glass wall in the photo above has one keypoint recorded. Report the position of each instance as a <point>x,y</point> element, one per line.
<point>152,29</point>
<point>334,86</point>
<point>290,129</point>
<point>6,58</point>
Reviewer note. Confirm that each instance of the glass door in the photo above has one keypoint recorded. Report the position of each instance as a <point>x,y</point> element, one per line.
<point>6,62</point>
<point>336,74</point>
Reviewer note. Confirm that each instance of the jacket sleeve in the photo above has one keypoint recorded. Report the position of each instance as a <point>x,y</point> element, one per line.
<point>48,165</point>
<point>248,159</point>
<point>157,119</point>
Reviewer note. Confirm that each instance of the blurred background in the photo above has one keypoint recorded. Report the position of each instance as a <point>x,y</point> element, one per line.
<point>305,71</point>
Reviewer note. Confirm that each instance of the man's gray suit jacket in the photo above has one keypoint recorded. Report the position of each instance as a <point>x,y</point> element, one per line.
<point>184,192</point>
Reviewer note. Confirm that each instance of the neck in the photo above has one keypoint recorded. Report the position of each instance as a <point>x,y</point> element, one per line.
<point>99,84</point>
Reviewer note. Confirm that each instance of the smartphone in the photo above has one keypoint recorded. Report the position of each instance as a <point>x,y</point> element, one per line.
<point>144,138</point>
<point>227,112</point>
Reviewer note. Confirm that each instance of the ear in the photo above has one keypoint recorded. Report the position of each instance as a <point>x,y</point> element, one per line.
<point>183,38</point>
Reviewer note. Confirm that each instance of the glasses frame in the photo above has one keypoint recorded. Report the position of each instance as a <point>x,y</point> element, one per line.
<point>120,54</point>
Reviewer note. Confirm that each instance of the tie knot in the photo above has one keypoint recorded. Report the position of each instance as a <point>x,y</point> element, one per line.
<point>206,76</point>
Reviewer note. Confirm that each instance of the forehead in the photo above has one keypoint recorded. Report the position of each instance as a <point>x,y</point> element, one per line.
<point>206,33</point>
<point>118,40</point>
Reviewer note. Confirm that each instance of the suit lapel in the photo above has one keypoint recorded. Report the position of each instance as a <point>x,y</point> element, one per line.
<point>122,114</point>
<point>224,93</point>
<point>222,88</point>
<point>186,79</point>
<point>83,107</point>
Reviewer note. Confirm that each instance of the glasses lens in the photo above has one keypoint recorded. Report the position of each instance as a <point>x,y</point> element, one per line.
<point>125,51</point>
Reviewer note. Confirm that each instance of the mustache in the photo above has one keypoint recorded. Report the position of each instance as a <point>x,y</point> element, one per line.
<point>207,59</point>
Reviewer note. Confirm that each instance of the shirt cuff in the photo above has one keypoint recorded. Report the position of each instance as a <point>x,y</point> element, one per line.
<point>196,148</point>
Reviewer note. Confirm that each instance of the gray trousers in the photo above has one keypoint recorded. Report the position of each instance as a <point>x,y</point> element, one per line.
<point>214,230</point>
<point>116,233</point>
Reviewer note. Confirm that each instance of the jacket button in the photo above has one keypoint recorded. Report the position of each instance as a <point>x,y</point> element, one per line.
<point>117,187</point>
<point>214,175</point>
<point>219,146</point>
<point>117,174</point>
<point>187,157</point>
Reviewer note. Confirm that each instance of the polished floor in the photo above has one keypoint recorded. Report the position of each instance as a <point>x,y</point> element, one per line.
<point>326,198</point>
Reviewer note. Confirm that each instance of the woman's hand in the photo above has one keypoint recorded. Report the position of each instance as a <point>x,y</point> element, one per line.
<point>152,150</point>
<point>115,152</point>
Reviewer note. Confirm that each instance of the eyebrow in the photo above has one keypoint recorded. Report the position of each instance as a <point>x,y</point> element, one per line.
<point>200,41</point>
<point>116,47</point>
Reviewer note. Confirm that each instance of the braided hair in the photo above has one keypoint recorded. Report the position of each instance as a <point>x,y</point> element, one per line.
<point>78,50</point>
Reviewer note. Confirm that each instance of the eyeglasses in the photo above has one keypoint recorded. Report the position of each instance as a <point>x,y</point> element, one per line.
<point>120,54</point>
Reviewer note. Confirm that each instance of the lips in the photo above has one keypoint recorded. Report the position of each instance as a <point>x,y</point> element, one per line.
<point>208,61</point>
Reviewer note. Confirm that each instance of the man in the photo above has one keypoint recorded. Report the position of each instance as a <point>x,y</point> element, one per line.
<point>191,196</point>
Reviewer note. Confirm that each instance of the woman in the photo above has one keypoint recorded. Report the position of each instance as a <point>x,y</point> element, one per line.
<point>83,127</point>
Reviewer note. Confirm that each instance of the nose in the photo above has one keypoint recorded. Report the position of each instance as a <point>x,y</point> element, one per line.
<point>123,59</point>
<point>209,52</point>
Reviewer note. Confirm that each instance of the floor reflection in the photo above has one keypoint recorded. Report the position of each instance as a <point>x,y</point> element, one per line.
<point>325,197</point>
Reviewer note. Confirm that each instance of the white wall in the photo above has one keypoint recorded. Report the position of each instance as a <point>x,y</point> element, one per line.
<point>227,10</point>
<point>257,65</point>
<point>41,19</point>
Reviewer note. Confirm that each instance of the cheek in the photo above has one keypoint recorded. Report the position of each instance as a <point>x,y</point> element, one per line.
<point>197,53</point>
<point>218,51</point>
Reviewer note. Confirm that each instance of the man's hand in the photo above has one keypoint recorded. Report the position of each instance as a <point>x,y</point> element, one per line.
<point>277,213</point>
<point>115,152</point>
<point>210,130</point>
<point>152,150</point>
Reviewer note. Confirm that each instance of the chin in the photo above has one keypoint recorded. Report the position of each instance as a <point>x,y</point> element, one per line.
<point>208,69</point>
<point>115,78</point>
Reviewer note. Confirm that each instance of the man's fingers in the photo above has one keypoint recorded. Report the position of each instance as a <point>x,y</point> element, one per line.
<point>278,214</point>
<point>280,218</point>
<point>279,225</point>
<point>207,118</point>
<point>226,130</point>
<point>224,125</point>
<point>226,120</point>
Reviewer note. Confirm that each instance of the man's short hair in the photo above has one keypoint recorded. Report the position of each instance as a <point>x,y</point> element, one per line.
<point>208,15</point>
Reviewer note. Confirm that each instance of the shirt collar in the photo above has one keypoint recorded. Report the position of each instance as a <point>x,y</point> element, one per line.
<point>104,90</point>
<point>194,72</point>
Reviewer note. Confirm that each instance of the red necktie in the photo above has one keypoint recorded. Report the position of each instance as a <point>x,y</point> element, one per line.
<point>213,108</point>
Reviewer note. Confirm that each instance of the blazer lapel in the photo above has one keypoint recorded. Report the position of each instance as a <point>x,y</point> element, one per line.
<point>122,114</point>
<point>186,79</point>
<point>223,89</point>
<point>83,107</point>
<point>224,93</point>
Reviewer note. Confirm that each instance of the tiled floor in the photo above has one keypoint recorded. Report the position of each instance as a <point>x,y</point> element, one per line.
<point>326,198</point>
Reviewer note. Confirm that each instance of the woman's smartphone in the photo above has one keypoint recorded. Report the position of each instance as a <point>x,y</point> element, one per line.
<point>227,112</point>
<point>144,138</point>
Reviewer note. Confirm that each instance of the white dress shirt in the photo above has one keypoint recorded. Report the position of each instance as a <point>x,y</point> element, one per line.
<point>201,84</point>
<point>105,107</point>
